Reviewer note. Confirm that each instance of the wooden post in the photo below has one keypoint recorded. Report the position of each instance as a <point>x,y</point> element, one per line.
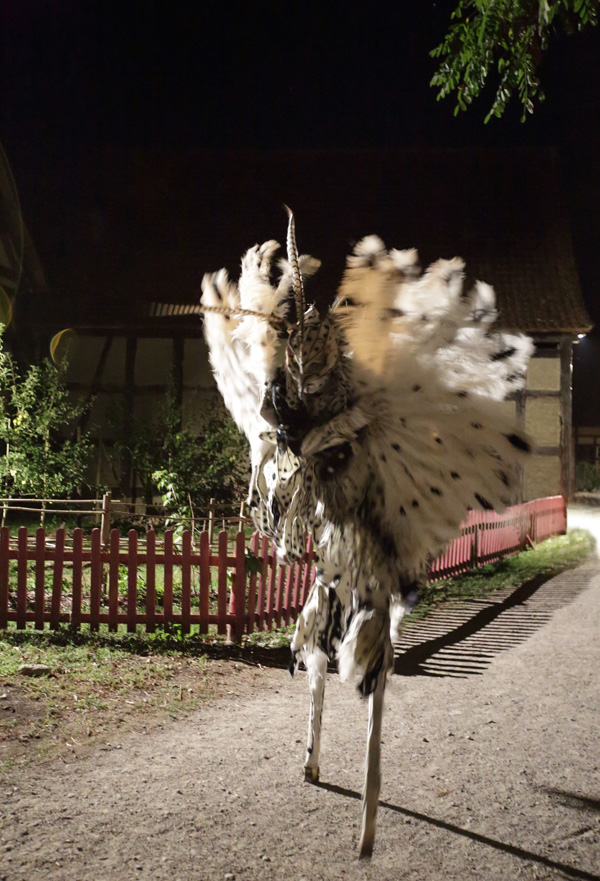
<point>211,520</point>
<point>113,582</point>
<point>77,579</point>
<point>566,418</point>
<point>105,520</point>
<point>22,579</point>
<point>475,546</point>
<point>57,579</point>
<point>222,584</point>
<point>204,581</point>
<point>151,582</point>
<point>186,581</point>
<point>4,581</point>
<point>168,579</point>
<point>95,580</point>
<point>40,573</point>
<point>238,591</point>
<point>132,564</point>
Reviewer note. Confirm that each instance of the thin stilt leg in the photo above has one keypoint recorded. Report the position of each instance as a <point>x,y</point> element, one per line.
<point>373,769</point>
<point>316,665</point>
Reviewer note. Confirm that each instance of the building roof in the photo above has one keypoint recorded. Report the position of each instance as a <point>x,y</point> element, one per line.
<point>156,222</point>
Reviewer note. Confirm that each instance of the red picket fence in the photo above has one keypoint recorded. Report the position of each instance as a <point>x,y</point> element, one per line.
<point>487,537</point>
<point>150,583</point>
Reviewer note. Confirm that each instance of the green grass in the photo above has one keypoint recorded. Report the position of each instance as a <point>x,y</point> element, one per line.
<point>549,557</point>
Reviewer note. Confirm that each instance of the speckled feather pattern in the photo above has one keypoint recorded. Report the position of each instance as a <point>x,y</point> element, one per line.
<point>391,434</point>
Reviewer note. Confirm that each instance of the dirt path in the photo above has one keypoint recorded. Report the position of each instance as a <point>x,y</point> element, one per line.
<point>490,770</point>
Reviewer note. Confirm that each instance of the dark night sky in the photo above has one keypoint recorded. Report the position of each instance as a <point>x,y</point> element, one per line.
<point>76,74</point>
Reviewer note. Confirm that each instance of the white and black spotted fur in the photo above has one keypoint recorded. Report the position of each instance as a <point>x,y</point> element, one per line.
<point>376,427</point>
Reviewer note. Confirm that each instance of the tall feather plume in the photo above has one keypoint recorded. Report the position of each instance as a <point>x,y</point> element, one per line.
<point>297,285</point>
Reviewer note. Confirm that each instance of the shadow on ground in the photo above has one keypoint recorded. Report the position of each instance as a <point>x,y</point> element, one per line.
<point>513,850</point>
<point>461,639</point>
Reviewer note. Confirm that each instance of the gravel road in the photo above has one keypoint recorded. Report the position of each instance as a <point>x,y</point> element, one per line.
<point>490,770</point>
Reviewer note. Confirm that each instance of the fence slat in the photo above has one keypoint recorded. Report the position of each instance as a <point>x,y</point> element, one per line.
<point>260,604</point>
<point>296,593</point>
<point>279,596</point>
<point>151,582</point>
<point>22,578</point>
<point>113,580</point>
<point>252,585</point>
<point>168,579</point>
<point>204,581</point>
<point>132,564</point>
<point>222,583</point>
<point>95,579</point>
<point>186,581</point>
<point>40,577</point>
<point>57,579</point>
<point>77,579</point>
<point>4,569</point>
<point>287,601</point>
<point>239,585</point>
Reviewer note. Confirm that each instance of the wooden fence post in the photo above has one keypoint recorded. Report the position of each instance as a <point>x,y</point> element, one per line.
<point>105,520</point>
<point>238,590</point>
<point>211,520</point>
<point>204,581</point>
<point>4,580</point>
<point>475,546</point>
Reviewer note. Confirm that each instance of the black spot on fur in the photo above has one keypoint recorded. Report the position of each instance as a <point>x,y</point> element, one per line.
<point>462,394</point>
<point>484,502</point>
<point>396,447</point>
<point>518,442</point>
<point>476,425</point>
<point>438,440</point>
<point>402,511</point>
<point>435,491</point>
<point>506,353</point>
<point>416,388</point>
<point>503,477</point>
<point>455,475</point>
<point>382,457</point>
<point>415,503</point>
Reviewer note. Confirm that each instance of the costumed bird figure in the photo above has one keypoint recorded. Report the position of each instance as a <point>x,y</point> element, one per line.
<point>376,427</point>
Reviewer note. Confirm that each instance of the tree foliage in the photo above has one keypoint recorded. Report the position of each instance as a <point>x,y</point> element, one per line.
<point>503,40</point>
<point>187,468</point>
<point>40,452</point>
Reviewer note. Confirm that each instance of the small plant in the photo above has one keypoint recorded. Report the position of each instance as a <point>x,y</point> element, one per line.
<point>587,477</point>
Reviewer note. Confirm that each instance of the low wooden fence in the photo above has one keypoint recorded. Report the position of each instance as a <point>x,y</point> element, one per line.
<point>237,589</point>
<point>487,537</point>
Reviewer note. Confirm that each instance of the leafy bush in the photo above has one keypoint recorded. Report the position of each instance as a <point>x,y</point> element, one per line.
<point>587,477</point>
<point>40,452</point>
<point>188,468</point>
